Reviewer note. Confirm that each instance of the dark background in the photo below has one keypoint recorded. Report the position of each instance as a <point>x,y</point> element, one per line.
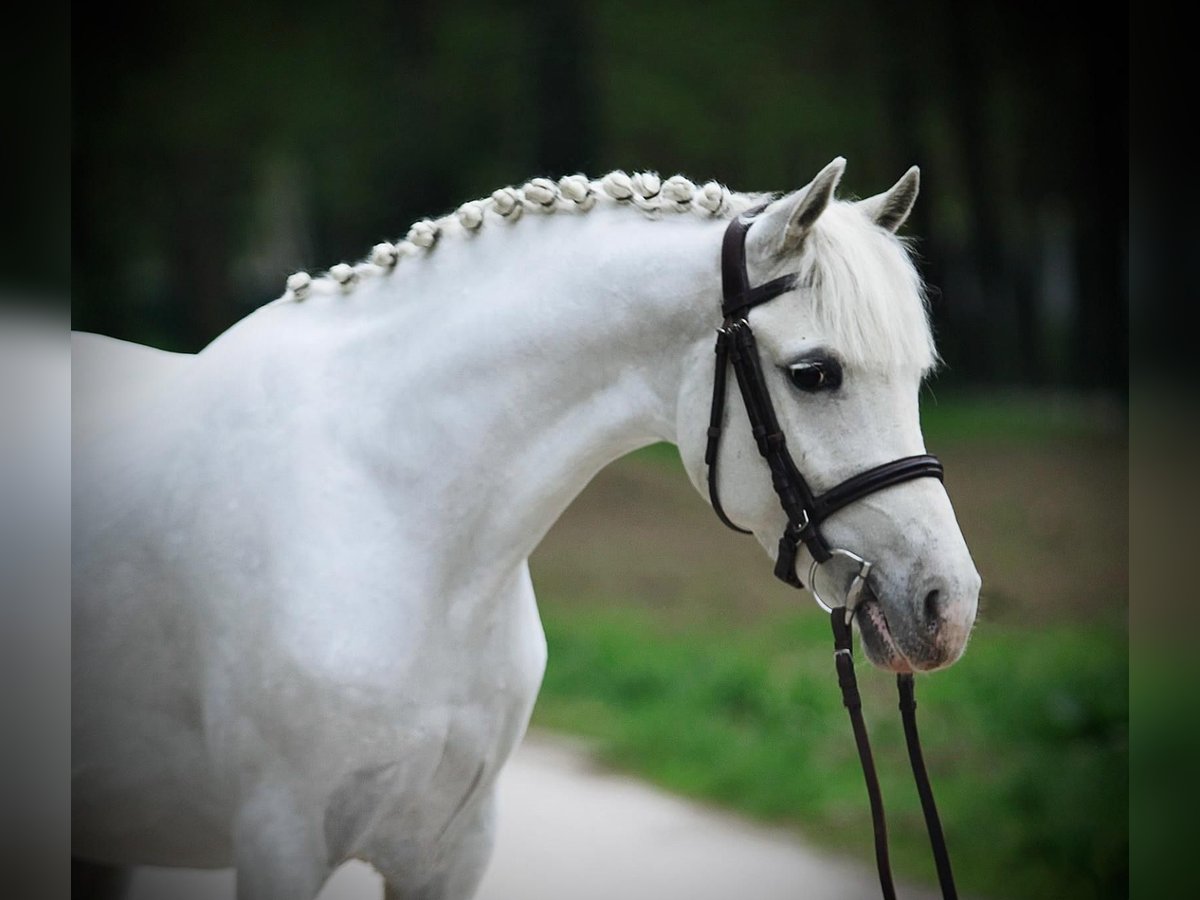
<point>218,147</point>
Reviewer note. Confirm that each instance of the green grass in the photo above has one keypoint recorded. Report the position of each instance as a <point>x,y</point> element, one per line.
<point>1025,738</point>
<point>1164,781</point>
<point>1015,416</point>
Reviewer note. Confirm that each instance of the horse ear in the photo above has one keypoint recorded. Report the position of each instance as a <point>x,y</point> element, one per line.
<point>785,223</point>
<point>890,209</point>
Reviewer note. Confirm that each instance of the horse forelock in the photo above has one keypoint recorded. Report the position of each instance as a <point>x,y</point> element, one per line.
<point>865,293</point>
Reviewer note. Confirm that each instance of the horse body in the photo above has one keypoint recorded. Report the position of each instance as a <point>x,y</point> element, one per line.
<point>270,630</point>
<point>305,629</point>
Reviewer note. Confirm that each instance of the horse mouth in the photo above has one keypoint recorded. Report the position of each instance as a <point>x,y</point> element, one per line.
<point>877,639</point>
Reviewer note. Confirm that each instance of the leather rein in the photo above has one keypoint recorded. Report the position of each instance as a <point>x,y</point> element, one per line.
<point>806,511</point>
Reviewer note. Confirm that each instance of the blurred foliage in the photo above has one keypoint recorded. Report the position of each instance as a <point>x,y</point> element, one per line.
<point>219,147</point>
<point>1027,739</point>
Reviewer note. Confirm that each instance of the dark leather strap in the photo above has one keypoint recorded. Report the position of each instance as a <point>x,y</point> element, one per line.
<point>933,823</point>
<point>843,652</point>
<point>738,297</point>
<point>892,473</point>
<point>716,419</point>
<point>843,655</point>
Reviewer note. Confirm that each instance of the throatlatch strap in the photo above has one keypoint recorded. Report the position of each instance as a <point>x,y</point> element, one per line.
<point>716,418</point>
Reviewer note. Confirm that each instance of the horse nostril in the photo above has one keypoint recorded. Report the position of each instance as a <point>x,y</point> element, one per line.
<point>933,607</point>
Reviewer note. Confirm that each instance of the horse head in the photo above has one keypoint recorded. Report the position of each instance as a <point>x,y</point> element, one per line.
<point>842,349</point>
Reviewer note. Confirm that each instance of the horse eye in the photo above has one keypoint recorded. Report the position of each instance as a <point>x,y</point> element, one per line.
<point>810,377</point>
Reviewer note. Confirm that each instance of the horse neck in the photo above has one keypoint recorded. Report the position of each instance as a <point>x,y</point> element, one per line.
<point>512,367</point>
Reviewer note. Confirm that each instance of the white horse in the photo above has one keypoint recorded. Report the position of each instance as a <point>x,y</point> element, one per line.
<point>304,630</point>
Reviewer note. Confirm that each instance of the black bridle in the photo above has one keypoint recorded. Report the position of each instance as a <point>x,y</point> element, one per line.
<point>735,344</point>
<point>805,512</point>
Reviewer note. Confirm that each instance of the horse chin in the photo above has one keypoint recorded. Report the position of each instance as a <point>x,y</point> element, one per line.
<point>877,639</point>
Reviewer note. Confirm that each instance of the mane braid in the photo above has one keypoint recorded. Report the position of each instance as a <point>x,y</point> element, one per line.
<point>867,267</point>
<point>538,196</point>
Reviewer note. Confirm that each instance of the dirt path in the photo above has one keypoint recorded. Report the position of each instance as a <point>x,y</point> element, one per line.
<point>568,831</point>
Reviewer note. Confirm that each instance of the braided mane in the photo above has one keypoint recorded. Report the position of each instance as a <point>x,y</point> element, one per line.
<point>864,270</point>
<point>539,196</point>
